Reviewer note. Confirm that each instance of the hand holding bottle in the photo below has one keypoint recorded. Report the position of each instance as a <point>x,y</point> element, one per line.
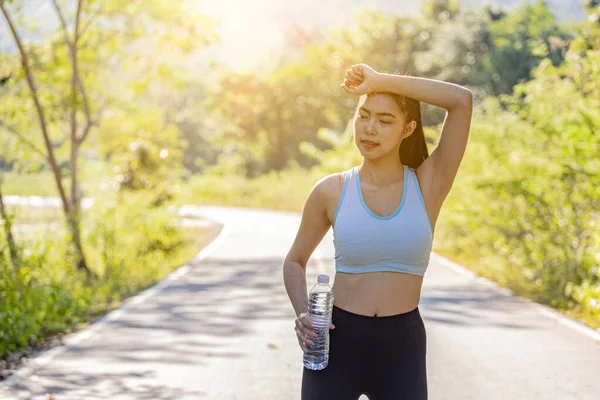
<point>305,331</point>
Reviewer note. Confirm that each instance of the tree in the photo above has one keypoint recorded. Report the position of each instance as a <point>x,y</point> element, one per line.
<point>440,10</point>
<point>71,202</point>
<point>97,32</point>
<point>516,43</point>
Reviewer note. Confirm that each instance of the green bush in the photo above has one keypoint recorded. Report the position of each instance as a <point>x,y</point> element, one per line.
<point>36,302</point>
<point>526,201</point>
<point>131,242</point>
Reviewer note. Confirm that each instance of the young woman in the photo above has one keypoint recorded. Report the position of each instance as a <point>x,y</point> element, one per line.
<point>383,214</point>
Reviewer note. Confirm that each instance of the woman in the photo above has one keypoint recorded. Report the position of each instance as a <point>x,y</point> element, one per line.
<point>383,214</point>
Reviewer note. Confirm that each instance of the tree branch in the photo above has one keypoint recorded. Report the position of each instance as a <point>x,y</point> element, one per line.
<point>86,106</point>
<point>24,140</point>
<point>63,22</point>
<point>72,45</point>
<point>39,109</point>
<point>90,20</point>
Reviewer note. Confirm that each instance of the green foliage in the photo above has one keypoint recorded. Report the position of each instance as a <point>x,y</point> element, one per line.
<point>517,43</point>
<point>529,176</point>
<point>278,190</point>
<point>440,10</point>
<point>38,300</point>
<point>272,117</point>
<point>144,148</point>
<point>131,243</point>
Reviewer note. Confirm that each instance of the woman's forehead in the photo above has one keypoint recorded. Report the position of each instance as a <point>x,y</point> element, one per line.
<point>380,102</point>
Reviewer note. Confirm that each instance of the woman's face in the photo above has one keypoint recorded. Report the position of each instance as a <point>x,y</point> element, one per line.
<point>379,126</point>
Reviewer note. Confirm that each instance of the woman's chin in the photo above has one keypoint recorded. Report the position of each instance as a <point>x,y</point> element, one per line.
<point>368,152</point>
<point>370,155</point>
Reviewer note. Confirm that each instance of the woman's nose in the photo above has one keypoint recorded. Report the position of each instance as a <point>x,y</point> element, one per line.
<point>370,128</point>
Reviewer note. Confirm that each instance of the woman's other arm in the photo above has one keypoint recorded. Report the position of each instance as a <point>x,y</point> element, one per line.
<point>313,227</point>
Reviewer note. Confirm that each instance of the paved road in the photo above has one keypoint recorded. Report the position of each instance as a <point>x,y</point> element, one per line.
<point>222,328</point>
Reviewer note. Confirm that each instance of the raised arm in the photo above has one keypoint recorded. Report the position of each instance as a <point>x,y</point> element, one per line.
<point>440,168</point>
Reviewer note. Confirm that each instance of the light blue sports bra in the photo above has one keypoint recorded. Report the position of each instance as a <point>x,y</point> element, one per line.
<point>367,242</point>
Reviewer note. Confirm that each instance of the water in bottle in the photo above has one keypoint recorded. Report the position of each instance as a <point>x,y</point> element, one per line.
<point>320,309</point>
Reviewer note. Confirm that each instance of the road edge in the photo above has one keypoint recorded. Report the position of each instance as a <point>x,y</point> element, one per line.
<point>542,309</point>
<point>38,360</point>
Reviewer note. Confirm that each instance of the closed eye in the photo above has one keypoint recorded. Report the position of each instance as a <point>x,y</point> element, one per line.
<point>366,117</point>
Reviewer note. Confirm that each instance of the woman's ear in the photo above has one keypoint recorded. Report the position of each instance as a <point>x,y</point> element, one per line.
<point>410,128</point>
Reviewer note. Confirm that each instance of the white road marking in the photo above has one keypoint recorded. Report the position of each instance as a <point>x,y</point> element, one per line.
<point>546,311</point>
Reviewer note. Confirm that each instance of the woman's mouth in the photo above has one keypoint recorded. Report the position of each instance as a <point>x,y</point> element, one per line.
<point>368,144</point>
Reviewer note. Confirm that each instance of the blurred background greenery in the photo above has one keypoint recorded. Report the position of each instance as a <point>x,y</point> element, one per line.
<point>145,105</point>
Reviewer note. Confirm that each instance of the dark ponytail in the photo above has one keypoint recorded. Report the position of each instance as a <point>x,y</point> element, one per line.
<point>413,150</point>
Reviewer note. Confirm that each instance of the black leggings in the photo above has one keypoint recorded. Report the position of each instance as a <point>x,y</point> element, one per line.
<point>380,357</point>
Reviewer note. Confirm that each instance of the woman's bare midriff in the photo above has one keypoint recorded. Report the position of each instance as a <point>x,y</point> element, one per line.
<point>377,293</point>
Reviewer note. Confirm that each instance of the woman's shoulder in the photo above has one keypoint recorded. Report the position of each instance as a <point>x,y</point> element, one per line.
<point>331,185</point>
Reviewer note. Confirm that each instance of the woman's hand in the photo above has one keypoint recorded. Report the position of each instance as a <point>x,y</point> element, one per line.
<point>305,331</point>
<point>360,79</point>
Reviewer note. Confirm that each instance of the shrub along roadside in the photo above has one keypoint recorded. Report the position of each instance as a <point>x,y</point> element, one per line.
<point>131,247</point>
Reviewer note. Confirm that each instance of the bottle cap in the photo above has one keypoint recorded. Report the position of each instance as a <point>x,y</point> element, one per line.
<point>323,279</point>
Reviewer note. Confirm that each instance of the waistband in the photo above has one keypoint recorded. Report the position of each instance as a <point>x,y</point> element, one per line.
<point>343,317</point>
<point>382,266</point>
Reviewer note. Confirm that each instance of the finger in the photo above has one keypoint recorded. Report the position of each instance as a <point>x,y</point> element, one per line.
<point>305,321</point>
<point>304,339</point>
<point>357,79</point>
<point>354,76</point>
<point>303,346</point>
<point>352,87</point>
<point>308,332</point>
<point>347,89</point>
<point>357,69</point>
<point>352,84</point>
<point>332,326</point>
<point>303,333</point>
<point>353,81</point>
<point>300,322</point>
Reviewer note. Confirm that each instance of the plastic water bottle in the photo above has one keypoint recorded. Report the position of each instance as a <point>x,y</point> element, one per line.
<point>320,309</point>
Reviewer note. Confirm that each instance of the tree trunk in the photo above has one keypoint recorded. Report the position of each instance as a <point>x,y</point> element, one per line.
<point>12,247</point>
<point>76,242</point>
<point>74,217</point>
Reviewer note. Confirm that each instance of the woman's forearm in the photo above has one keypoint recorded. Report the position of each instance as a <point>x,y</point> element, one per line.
<point>438,93</point>
<point>294,278</point>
